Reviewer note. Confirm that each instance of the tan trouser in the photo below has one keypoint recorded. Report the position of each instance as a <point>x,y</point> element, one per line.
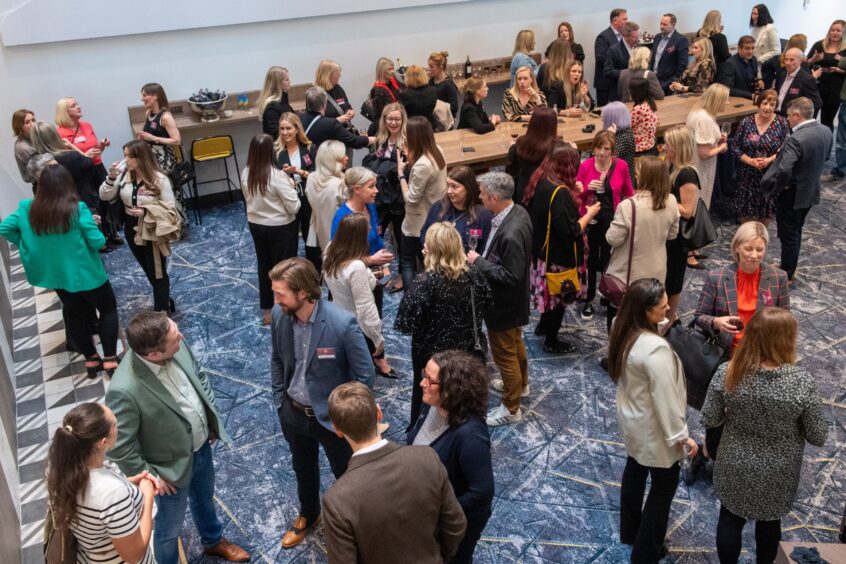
<point>509,354</point>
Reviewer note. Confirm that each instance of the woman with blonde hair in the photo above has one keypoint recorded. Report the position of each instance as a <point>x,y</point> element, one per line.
<point>701,70</point>
<point>327,77</point>
<point>769,409</point>
<point>447,90</point>
<point>639,66</point>
<point>272,102</point>
<point>712,29</point>
<point>554,70</point>
<point>295,156</point>
<point>679,152</point>
<point>827,53</point>
<point>325,191</point>
<point>523,98</point>
<point>138,181</point>
<point>419,98</point>
<point>386,90</point>
<point>444,307</point>
<point>710,141</point>
<point>524,44</point>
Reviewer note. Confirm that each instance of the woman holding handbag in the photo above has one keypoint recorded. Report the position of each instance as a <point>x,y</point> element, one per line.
<point>558,241</point>
<point>640,230</point>
<point>607,179</point>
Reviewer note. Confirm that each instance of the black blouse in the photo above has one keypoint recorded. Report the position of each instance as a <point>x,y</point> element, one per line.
<point>437,312</point>
<point>420,101</point>
<point>473,116</point>
<point>448,92</point>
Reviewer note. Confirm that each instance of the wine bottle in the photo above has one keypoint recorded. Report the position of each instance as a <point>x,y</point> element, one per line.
<point>401,68</point>
<point>468,68</point>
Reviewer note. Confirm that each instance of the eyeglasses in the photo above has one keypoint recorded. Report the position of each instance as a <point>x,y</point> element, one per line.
<point>426,377</point>
<point>393,120</point>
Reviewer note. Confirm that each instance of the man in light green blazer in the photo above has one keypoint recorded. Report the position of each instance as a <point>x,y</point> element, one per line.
<point>167,422</point>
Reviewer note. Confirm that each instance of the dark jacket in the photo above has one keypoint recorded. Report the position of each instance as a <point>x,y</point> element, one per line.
<point>798,166</point>
<point>330,129</point>
<point>721,49</point>
<point>272,113</point>
<point>85,178</point>
<point>465,451</point>
<point>461,221</point>
<point>393,504</point>
<point>521,170</point>
<point>346,357</point>
<point>420,102</point>
<point>673,60</point>
<point>307,155</point>
<point>447,92</point>
<point>337,94</point>
<point>604,41</point>
<point>731,74</point>
<point>565,230</point>
<point>506,266</point>
<point>803,85</point>
<point>473,117</point>
<point>616,61</point>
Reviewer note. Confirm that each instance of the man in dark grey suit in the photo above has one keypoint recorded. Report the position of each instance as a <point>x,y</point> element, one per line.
<point>604,41</point>
<point>394,503</point>
<point>505,262</point>
<point>794,178</point>
<point>317,346</point>
<point>617,59</point>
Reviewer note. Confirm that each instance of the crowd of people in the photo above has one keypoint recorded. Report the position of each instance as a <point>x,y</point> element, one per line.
<point>473,255</point>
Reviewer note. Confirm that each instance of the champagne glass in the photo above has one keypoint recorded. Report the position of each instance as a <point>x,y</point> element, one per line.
<point>473,241</point>
<point>725,129</point>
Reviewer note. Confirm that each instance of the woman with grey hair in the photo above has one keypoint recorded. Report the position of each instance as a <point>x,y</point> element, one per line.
<point>617,118</point>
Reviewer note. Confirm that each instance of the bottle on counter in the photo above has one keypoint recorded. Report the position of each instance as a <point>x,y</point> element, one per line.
<point>468,68</point>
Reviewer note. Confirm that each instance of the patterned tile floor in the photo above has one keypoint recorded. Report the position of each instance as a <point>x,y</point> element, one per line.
<point>557,473</point>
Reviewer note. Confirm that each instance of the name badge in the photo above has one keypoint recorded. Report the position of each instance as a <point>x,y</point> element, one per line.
<point>306,160</point>
<point>794,91</point>
<point>326,353</point>
<point>753,137</point>
<point>477,233</point>
<point>80,139</point>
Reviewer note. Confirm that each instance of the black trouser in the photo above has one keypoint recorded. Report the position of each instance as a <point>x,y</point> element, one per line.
<point>394,219</point>
<point>315,257</point>
<point>830,94</point>
<point>600,253</point>
<point>410,252</point>
<point>789,224</point>
<point>601,96</point>
<point>379,298</point>
<point>79,311</point>
<point>730,533</point>
<point>274,243</point>
<point>144,255</point>
<point>645,525</point>
<point>305,435</point>
<point>304,216</point>
<point>475,525</point>
<point>418,363</point>
<point>550,323</point>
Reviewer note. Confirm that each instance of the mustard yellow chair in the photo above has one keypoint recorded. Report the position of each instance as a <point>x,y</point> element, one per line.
<point>215,148</point>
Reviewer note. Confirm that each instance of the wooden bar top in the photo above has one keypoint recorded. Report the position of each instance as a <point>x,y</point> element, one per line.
<point>491,148</point>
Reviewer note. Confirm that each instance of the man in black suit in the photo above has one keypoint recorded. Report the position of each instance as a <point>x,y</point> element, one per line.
<point>794,178</point>
<point>669,53</point>
<point>505,262</point>
<point>795,82</point>
<point>740,71</point>
<point>319,128</point>
<point>394,503</point>
<point>618,57</point>
<point>604,41</point>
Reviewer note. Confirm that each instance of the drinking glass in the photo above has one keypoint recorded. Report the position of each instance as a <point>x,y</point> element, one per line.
<point>473,241</point>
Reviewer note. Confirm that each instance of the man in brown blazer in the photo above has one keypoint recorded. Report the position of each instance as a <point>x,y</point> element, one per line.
<point>394,503</point>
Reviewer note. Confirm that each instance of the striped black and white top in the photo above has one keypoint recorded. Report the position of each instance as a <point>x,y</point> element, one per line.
<point>110,507</point>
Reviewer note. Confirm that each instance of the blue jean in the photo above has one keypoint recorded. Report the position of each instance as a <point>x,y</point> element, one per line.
<point>840,143</point>
<point>171,510</point>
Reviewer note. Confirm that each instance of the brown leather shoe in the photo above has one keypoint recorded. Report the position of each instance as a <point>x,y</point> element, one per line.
<point>228,551</point>
<point>298,531</point>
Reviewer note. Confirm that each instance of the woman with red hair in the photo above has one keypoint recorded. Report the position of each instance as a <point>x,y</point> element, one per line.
<point>558,240</point>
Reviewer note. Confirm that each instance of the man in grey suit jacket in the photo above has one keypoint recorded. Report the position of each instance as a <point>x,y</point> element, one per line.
<point>316,347</point>
<point>394,503</point>
<point>794,178</point>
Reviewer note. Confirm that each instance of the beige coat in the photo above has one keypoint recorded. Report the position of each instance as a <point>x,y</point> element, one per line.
<point>324,201</point>
<point>653,228</point>
<point>426,185</point>
<point>651,403</point>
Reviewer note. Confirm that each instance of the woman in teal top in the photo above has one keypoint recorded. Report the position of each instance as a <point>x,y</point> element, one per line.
<point>58,241</point>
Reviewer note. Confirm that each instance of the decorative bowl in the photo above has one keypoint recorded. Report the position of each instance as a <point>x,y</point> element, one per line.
<point>207,104</point>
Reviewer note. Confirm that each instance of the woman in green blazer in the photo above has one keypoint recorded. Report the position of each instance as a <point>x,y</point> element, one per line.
<point>58,241</point>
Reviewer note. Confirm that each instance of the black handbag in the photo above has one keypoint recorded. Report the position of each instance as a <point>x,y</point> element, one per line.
<point>609,285</point>
<point>700,355</point>
<point>698,231</point>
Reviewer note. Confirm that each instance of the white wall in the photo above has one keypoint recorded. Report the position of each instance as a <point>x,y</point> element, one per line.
<point>813,19</point>
<point>105,74</point>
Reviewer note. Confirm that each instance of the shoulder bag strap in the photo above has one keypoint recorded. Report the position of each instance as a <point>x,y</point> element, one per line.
<point>335,105</point>
<point>311,124</point>
<point>477,345</point>
<point>631,242</point>
<point>549,223</point>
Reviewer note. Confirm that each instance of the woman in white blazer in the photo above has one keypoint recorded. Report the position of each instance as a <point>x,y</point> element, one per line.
<point>762,29</point>
<point>651,404</point>
<point>425,185</point>
<point>325,193</point>
<point>656,220</point>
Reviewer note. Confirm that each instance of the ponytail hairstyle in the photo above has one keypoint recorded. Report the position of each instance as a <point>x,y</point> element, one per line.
<point>74,442</point>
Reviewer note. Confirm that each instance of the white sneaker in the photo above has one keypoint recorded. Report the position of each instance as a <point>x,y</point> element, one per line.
<point>501,416</point>
<point>497,385</point>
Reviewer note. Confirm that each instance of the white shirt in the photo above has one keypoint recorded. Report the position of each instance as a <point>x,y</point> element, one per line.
<point>177,384</point>
<point>803,124</point>
<point>372,447</point>
<point>785,87</point>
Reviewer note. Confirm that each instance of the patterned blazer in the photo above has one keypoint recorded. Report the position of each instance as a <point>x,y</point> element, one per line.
<point>719,297</point>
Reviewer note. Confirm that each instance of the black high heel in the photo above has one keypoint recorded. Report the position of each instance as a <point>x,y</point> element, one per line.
<point>93,371</point>
<point>171,305</point>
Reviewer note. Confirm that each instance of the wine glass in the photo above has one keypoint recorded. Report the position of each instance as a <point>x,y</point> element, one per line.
<point>473,240</point>
<point>725,129</point>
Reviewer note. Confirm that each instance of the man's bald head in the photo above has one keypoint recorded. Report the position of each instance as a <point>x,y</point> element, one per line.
<point>793,57</point>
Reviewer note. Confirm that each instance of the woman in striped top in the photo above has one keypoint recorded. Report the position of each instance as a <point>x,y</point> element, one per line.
<point>110,515</point>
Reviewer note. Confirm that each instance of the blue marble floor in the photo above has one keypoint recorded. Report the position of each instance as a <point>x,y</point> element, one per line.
<point>557,472</point>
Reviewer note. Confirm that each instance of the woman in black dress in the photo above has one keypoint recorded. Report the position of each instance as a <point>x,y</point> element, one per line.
<point>473,115</point>
<point>712,28</point>
<point>444,307</point>
<point>825,54</point>
<point>160,131</point>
